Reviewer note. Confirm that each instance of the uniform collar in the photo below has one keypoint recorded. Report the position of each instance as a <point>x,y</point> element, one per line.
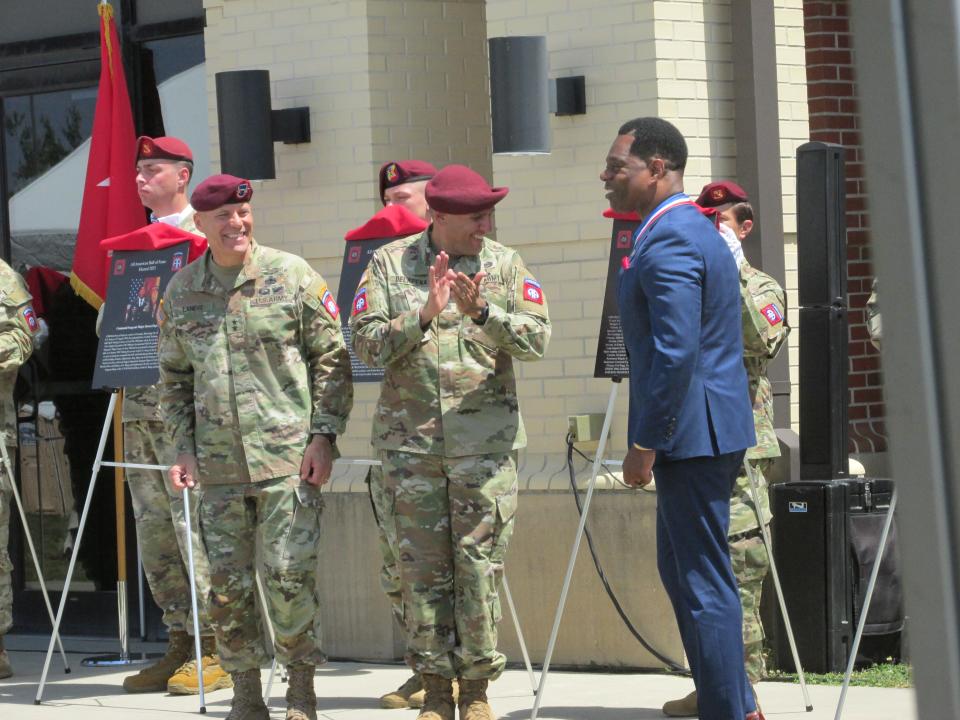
<point>206,282</point>
<point>427,252</point>
<point>175,219</point>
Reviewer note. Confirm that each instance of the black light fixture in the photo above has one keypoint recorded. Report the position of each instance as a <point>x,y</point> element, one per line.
<point>522,96</point>
<point>249,127</point>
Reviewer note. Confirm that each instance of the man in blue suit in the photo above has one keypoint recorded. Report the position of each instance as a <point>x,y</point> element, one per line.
<point>690,416</point>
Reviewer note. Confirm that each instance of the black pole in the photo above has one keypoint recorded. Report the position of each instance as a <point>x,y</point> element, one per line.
<point>5,244</point>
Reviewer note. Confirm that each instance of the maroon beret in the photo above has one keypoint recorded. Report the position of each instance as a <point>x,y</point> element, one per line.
<point>163,148</point>
<point>219,190</point>
<point>458,190</point>
<point>721,193</point>
<point>397,173</point>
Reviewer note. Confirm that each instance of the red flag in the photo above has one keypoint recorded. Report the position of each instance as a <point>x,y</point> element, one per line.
<point>111,205</point>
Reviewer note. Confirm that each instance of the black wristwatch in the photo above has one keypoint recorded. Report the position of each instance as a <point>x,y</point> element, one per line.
<point>484,314</point>
<point>331,437</point>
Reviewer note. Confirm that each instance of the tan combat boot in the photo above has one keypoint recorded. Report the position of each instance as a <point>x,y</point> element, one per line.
<point>186,680</point>
<point>153,678</point>
<point>684,707</point>
<point>301,697</point>
<point>247,703</point>
<point>438,701</point>
<point>408,695</point>
<point>473,701</point>
<point>5,669</point>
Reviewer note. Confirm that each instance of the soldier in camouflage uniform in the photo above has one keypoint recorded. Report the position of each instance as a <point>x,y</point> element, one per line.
<point>18,326</point>
<point>446,312</point>
<point>765,330</point>
<point>164,167</point>
<point>401,183</point>
<point>255,387</point>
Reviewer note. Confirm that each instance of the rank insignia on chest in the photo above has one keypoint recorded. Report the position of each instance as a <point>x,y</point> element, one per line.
<point>360,302</point>
<point>532,292</point>
<point>772,313</point>
<point>330,304</point>
<point>30,317</point>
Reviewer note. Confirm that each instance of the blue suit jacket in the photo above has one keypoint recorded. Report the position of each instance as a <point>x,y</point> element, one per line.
<point>680,312</point>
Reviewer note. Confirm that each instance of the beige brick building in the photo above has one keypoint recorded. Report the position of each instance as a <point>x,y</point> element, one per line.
<point>391,79</point>
<point>394,79</point>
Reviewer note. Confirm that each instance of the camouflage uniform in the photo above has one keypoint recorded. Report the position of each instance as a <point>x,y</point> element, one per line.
<point>158,511</point>
<point>248,375</point>
<point>447,427</point>
<point>764,331</point>
<point>18,325</point>
<point>383,507</point>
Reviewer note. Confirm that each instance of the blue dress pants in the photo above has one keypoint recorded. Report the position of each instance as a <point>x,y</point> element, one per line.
<point>693,515</point>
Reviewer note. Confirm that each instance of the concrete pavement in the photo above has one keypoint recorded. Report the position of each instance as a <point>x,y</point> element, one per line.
<point>349,691</point>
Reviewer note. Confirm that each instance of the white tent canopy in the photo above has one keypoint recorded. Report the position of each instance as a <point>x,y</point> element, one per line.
<point>51,203</point>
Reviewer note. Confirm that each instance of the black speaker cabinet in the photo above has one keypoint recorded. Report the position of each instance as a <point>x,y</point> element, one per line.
<point>246,124</point>
<point>823,393</point>
<point>825,538</point>
<point>821,224</point>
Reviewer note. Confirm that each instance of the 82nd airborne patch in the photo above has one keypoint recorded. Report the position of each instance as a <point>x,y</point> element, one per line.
<point>30,317</point>
<point>532,292</point>
<point>360,302</point>
<point>329,303</point>
<point>772,313</point>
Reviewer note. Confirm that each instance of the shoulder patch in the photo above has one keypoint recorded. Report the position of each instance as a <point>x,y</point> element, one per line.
<point>329,304</point>
<point>360,302</point>
<point>30,318</point>
<point>532,292</point>
<point>772,313</point>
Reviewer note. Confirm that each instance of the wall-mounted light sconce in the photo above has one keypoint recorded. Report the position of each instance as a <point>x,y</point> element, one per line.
<point>249,127</point>
<point>522,96</point>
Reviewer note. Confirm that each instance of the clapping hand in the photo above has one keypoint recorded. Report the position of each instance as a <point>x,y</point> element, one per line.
<point>466,292</point>
<point>438,283</point>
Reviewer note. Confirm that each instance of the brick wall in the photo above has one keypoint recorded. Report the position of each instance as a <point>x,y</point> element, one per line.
<point>834,117</point>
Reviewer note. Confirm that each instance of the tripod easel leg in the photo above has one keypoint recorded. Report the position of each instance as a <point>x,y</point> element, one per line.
<point>597,461</point>
<point>516,626</point>
<point>193,600</point>
<point>874,573</point>
<point>76,546</point>
<point>33,551</point>
<point>765,533</point>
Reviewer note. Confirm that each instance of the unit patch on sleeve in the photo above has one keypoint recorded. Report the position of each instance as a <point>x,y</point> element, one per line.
<point>30,317</point>
<point>772,313</point>
<point>329,303</point>
<point>360,302</point>
<point>532,292</point>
